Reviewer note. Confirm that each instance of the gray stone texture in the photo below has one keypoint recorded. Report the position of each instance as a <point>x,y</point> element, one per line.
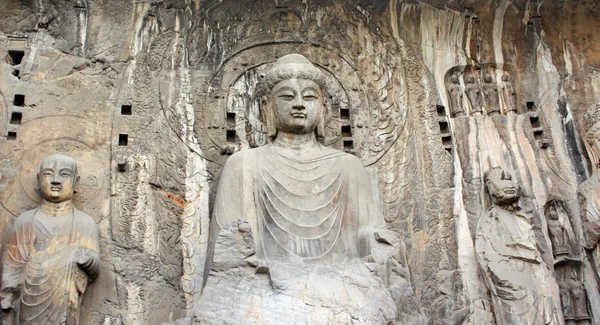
<point>190,72</point>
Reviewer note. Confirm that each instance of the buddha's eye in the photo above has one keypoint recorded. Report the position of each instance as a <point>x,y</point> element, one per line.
<point>286,96</point>
<point>309,97</point>
<point>65,175</point>
<point>47,174</point>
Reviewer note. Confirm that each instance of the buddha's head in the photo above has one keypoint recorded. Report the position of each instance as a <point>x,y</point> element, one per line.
<point>57,178</point>
<point>295,102</point>
<point>501,187</point>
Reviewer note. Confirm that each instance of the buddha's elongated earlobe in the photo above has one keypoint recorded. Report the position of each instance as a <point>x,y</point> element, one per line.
<point>321,121</point>
<point>269,116</point>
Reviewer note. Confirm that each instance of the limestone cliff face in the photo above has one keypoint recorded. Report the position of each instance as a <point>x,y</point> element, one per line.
<point>151,97</point>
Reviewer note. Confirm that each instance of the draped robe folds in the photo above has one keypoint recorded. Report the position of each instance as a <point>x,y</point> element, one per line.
<point>307,220</point>
<point>523,290</point>
<point>39,262</point>
<point>314,209</point>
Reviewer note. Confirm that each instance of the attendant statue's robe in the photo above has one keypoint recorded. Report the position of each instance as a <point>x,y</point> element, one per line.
<point>39,264</point>
<point>522,287</point>
<point>307,222</point>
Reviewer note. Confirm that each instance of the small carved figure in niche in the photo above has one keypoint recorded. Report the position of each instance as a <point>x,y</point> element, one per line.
<point>52,252</point>
<point>456,98</point>
<point>509,95</point>
<point>522,287</point>
<point>490,91</point>
<point>309,214</point>
<point>573,294</point>
<point>558,234</point>
<point>474,95</point>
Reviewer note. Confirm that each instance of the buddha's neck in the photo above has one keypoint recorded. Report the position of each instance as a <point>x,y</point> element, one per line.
<point>295,141</point>
<point>52,209</point>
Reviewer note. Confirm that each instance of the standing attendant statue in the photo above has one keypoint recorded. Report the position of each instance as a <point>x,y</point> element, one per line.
<point>303,215</point>
<point>509,95</point>
<point>490,91</point>
<point>52,252</point>
<point>474,95</point>
<point>456,98</point>
<point>522,287</point>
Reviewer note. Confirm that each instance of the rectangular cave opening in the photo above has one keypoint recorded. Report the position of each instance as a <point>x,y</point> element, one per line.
<point>441,110</point>
<point>346,131</point>
<point>535,121</point>
<point>231,136</point>
<point>447,140</point>
<point>123,139</point>
<point>11,136</point>
<point>344,113</point>
<point>348,144</point>
<point>16,117</point>
<point>530,106</point>
<point>444,128</point>
<point>15,57</point>
<point>126,110</point>
<point>122,166</point>
<point>19,100</point>
<point>538,134</point>
<point>230,118</point>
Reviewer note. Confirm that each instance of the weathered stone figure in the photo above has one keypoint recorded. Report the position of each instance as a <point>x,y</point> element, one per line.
<point>52,252</point>
<point>456,98</point>
<point>522,287</point>
<point>302,213</point>
<point>474,95</point>
<point>490,92</point>
<point>509,95</point>
<point>558,234</point>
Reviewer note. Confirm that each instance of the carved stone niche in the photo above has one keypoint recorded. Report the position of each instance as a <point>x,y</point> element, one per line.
<point>474,90</point>
<point>560,230</point>
<point>573,294</point>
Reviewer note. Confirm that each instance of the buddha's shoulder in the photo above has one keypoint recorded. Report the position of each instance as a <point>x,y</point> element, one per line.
<point>84,218</point>
<point>24,218</point>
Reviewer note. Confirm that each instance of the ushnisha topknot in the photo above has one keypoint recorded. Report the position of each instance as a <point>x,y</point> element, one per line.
<point>293,66</point>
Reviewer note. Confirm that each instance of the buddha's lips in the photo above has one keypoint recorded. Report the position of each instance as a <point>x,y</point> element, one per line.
<point>298,115</point>
<point>55,188</point>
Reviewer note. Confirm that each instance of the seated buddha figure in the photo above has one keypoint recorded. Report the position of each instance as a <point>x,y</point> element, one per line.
<point>296,233</point>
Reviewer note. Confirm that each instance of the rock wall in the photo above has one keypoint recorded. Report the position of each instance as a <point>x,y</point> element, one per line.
<point>151,97</point>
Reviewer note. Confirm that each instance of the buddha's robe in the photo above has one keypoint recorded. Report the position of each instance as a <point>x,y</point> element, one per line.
<point>39,262</point>
<point>306,222</point>
<point>314,209</point>
<point>522,287</point>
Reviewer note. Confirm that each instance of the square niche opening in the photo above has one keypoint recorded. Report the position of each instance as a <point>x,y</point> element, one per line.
<point>447,140</point>
<point>123,139</point>
<point>346,131</point>
<point>126,110</point>
<point>348,144</point>
<point>16,117</point>
<point>230,118</point>
<point>441,110</point>
<point>231,136</point>
<point>15,56</point>
<point>345,113</point>
<point>444,129</point>
<point>531,106</point>
<point>19,100</point>
<point>11,136</point>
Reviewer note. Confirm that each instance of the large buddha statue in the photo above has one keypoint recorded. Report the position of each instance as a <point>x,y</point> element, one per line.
<point>296,232</point>
<point>51,254</point>
<point>522,287</point>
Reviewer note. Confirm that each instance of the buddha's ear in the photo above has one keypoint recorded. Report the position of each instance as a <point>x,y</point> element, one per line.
<point>321,121</point>
<point>75,183</point>
<point>268,113</point>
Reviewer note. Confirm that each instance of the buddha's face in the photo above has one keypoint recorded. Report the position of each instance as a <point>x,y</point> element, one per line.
<point>57,179</point>
<point>501,187</point>
<point>297,104</point>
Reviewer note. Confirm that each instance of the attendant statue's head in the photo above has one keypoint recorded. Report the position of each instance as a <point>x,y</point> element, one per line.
<point>295,102</point>
<point>57,178</point>
<point>501,187</point>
